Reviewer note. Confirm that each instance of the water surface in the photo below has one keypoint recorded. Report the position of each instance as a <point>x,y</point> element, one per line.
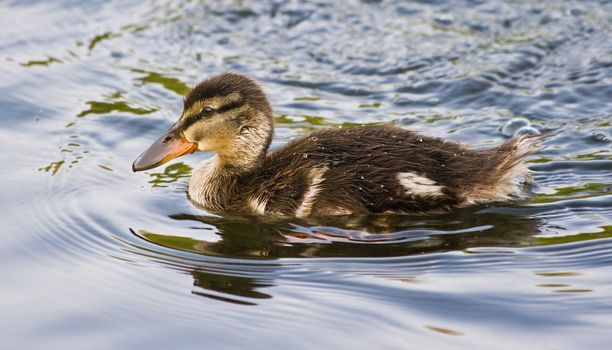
<point>97,257</point>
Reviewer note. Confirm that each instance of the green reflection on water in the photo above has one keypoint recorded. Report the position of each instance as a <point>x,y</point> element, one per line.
<point>169,83</point>
<point>175,242</point>
<point>96,107</point>
<point>231,58</point>
<point>53,167</point>
<point>602,154</point>
<point>114,104</point>
<point>435,119</point>
<point>589,190</point>
<point>135,28</point>
<point>44,63</point>
<point>372,105</point>
<point>462,31</point>
<point>306,98</point>
<point>540,160</point>
<point>172,173</point>
<point>587,236</point>
<point>310,122</point>
<point>598,155</point>
<point>99,38</point>
<point>73,151</point>
<point>104,167</point>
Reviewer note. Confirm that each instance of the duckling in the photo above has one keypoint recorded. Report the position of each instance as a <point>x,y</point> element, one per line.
<point>331,171</point>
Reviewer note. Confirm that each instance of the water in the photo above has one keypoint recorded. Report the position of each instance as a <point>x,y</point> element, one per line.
<point>94,256</point>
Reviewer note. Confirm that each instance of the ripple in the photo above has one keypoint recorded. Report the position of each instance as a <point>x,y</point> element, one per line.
<point>117,251</point>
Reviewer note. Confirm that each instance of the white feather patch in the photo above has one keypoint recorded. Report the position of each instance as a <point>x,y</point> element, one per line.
<point>257,205</point>
<point>202,185</point>
<point>417,185</point>
<point>316,178</point>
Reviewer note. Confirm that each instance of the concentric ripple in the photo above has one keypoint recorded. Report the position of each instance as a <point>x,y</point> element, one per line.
<point>94,254</point>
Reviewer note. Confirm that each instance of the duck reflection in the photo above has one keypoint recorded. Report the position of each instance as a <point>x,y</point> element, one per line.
<point>256,238</point>
<point>361,236</point>
<point>229,286</point>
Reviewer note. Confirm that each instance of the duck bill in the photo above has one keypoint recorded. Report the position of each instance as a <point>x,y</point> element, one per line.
<point>171,145</point>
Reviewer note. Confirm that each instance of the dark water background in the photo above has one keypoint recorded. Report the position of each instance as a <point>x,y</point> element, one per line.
<point>93,256</point>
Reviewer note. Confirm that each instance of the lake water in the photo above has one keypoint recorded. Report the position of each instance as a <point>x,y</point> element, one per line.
<point>93,256</point>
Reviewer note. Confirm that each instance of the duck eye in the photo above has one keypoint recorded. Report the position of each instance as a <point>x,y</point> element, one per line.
<point>207,110</point>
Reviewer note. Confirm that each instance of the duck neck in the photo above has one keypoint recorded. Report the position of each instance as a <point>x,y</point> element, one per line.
<point>243,159</point>
<point>214,185</point>
<point>247,151</point>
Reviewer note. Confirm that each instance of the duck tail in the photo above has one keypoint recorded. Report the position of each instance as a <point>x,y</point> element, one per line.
<point>514,151</point>
<point>505,170</point>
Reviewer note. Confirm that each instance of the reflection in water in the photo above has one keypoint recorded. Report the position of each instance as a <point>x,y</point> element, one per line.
<point>53,167</point>
<point>169,83</point>
<point>114,103</point>
<point>471,230</point>
<point>377,235</point>
<point>45,63</point>
<point>351,237</point>
<point>171,174</point>
<point>311,122</point>
<point>443,330</point>
<point>87,85</point>
<point>229,286</point>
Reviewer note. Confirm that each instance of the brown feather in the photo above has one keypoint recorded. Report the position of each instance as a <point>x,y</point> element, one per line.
<point>374,169</point>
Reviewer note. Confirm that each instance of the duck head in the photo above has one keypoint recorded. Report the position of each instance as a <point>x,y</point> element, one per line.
<point>228,114</point>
